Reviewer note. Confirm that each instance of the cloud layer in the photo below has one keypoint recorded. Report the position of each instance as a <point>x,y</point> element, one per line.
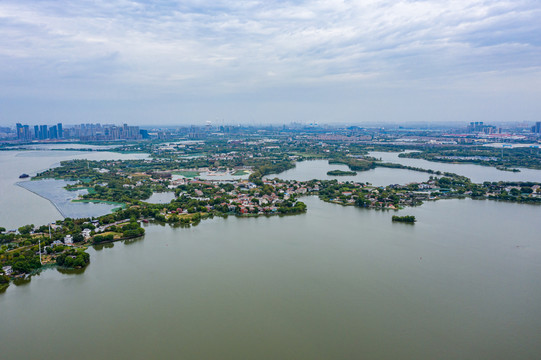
<point>190,61</point>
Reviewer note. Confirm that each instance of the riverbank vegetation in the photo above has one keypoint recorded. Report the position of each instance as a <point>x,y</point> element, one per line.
<point>73,259</point>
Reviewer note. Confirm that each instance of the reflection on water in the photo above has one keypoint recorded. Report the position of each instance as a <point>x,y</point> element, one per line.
<point>132,241</point>
<point>99,247</point>
<point>22,281</point>
<point>66,271</point>
<point>183,226</point>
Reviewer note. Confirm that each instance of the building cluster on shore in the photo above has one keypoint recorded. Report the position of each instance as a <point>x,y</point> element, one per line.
<point>245,197</point>
<point>83,132</point>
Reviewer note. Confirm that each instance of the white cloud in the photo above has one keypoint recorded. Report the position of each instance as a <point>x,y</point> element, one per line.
<point>208,49</point>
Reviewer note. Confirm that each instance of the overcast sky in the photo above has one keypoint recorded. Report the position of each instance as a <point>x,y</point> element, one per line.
<point>330,61</point>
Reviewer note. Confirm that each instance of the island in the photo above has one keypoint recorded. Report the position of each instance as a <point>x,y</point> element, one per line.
<point>405,219</point>
<point>341,173</point>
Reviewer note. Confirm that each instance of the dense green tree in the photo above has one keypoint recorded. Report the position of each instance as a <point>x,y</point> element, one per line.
<point>24,230</point>
<point>78,238</point>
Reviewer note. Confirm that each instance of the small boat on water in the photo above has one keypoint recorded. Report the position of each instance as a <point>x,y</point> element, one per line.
<point>24,176</point>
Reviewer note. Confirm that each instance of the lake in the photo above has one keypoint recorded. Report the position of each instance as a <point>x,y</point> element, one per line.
<point>334,283</point>
<point>477,173</point>
<point>161,197</point>
<point>67,146</point>
<point>317,169</point>
<point>19,206</point>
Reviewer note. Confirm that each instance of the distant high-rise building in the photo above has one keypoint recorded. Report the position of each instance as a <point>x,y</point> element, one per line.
<point>27,135</point>
<point>537,128</point>
<point>43,133</point>
<point>20,131</point>
<point>83,131</point>
<point>23,132</point>
<point>53,132</point>
<point>479,126</point>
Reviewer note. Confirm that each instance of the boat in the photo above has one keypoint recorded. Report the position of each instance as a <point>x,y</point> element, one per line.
<point>24,176</point>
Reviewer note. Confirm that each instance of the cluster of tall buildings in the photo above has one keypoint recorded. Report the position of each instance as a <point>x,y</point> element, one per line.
<point>92,132</point>
<point>39,132</point>
<point>537,128</point>
<point>84,132</point>
<point>478,126</point>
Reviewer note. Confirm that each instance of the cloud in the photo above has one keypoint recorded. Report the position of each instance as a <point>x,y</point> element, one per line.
<point>222,48</point>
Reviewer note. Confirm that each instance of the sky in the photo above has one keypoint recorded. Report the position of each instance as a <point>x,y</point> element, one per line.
<point>225,61</point>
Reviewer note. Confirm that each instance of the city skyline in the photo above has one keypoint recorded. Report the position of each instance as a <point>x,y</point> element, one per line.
<point>85,132</point>
<point>328,62</point>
